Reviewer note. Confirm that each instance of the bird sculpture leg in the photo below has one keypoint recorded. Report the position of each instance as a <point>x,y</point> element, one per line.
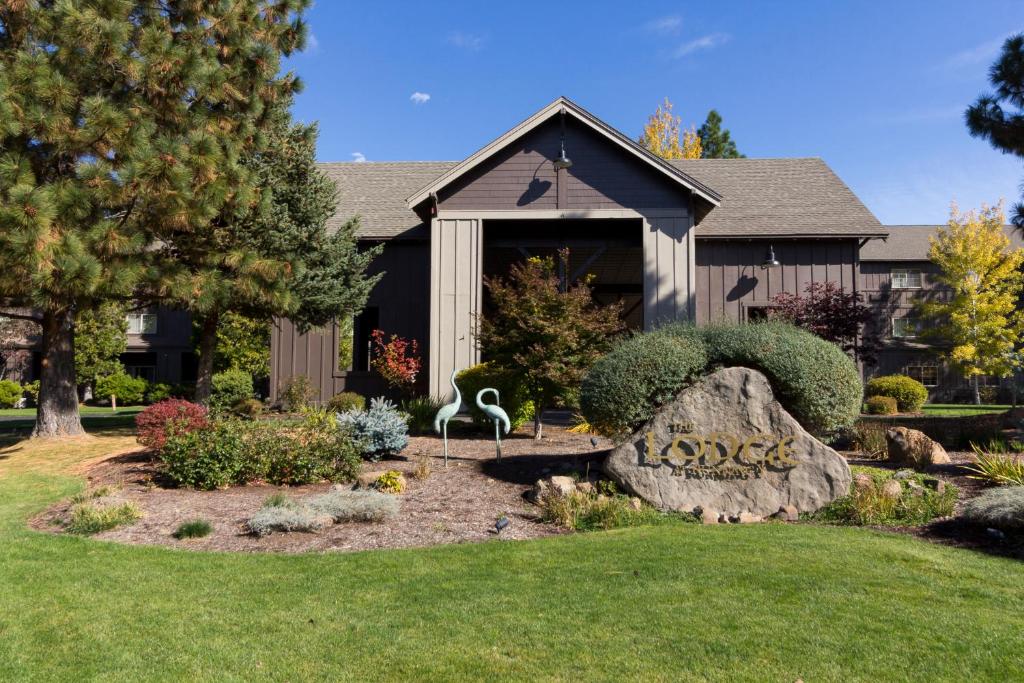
<point>497,438</point>
<point>444,430</point>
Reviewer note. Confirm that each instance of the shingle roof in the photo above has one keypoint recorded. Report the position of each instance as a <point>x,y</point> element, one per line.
<point>911,243</point>
<point>760,198</point>
<point>797,197</point>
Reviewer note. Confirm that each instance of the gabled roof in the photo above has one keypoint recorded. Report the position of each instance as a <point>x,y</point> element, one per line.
<point>797,197</point>
<point>760,198</point>
<point>563,104</point>
<point>912,242</point>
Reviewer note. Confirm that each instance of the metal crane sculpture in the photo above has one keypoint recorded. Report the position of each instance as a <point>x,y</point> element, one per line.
<point>494,412</point>
<point>446,413</point>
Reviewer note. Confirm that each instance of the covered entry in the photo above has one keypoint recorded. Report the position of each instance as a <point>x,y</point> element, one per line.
<point>561,178</point>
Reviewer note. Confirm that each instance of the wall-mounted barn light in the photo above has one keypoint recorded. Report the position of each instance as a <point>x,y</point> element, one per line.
<point>769,259</point>
<point>563,161</point>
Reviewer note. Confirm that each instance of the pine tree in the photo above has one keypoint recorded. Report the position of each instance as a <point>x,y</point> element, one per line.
<point>987,119</point>
<point>277,259</point>
<point>716,142</point>
<point>120,121</point>
<point>980,322</point>
<point>661,135</point>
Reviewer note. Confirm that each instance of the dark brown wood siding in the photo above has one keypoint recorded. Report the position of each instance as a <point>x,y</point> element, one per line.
<point>402,299</point>
<point>603,176</point>
<point>730,278</point>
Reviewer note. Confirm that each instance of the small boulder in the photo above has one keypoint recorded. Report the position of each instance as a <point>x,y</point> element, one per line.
<point>914,448</point>
<point>902,475</point>
<point>585,487</point>
<point>915,488</point>
<point>708,517</point>
<point>723,518</point>
<point>366,480</point>
<point>748,518</point>
<point>787,513</point>
<point>892,489</point>
<point>563,486</point>
<point>935,484</point>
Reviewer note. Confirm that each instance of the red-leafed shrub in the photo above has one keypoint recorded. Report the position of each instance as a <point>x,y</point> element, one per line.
<point>398,361</point>
<point>169,418</point>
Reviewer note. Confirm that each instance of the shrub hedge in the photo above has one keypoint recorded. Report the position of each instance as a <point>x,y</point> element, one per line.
<point>880,405</point>
<point>514,399</point>
<point>346,401</point>
<point>130,391</point>
<point>166,418</point>
<point>230,387</point>
<point>816,381</point>
<point>10,393</point>
<point>910,394</point>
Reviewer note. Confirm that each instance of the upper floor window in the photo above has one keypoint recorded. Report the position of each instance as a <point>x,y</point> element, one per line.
<point>906,279</point>
<point>142,323</point>
<point>904,328</point>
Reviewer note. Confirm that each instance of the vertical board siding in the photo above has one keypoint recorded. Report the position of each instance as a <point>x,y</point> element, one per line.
<point>669,277</point>
<point>401,297</point>
<point>455,283</point>
<point>729,275</point>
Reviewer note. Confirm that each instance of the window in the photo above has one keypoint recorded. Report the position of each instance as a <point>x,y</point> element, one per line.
<point>906,279</point>
<point>142,323</point>
<point>355,340</point>
<point>140,365</point>
<point>927,375</point>
<point>904,328</point>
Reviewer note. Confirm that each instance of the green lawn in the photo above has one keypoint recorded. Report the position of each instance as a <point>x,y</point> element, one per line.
<point>675,602</point>
<point>955,410</point>
<point>103,411</point>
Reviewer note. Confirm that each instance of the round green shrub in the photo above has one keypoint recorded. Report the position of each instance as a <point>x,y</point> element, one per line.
<point>130,391</point>
<point>346,401</point>
<point>814,379</point>
<point>910,394</point>
<point>248,407</point>
<point>640,373</point>
<point>880,405</point>
<point>10,393</point>
<point>230,387</point>
<point>32,392</point>
<point>1000,508</point>
<point>158,391</point>
<point>514,399</point>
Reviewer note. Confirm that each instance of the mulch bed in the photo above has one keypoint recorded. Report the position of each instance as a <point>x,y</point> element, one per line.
<point>454,505</point>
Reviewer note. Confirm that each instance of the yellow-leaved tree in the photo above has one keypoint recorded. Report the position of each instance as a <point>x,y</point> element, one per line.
<point>979,321</point>
<point>662,135</point>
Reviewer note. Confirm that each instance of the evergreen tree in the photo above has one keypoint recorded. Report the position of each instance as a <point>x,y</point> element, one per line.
<point>101,336</point>
<point>980,321</point>
<point>277,259</point>
<point>716,142</point>
<point>121,123</point>
<point>987,119</point>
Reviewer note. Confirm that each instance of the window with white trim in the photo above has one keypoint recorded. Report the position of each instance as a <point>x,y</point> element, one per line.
<point>904,328</point>
<point>141,323</point>
<point>927,375</point>
<point>904,278</point>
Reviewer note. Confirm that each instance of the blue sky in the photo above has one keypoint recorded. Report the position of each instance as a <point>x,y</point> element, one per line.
<point>875,88</point>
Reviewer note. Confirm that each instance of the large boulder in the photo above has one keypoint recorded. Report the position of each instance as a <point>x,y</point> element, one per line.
<point>726,444</point>
<point>914,448</point>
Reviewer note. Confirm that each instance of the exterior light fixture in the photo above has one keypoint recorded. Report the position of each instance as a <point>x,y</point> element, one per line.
<point>563,161</point>
<point>769,260</point>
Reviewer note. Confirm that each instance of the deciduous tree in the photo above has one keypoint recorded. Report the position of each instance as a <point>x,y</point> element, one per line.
<point>101,336</point>
<point>243,343</point>
<point>662,133</point>
<point>987,118</point>
<point>715,141</point>
<point>980,322</point>
<point>544,332</point>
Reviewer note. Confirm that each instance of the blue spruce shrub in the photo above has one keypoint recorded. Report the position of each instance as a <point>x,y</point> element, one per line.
<point>625,387</point>
<point>381,429</point>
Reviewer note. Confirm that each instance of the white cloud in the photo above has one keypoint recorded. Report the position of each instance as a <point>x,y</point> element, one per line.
<point>466,41</point>
<point>419,97</point>
<point>703,43</point>
<point>985,53</point>
<point>312,44</point>
<point>358,157</point>
<point>664,25</point>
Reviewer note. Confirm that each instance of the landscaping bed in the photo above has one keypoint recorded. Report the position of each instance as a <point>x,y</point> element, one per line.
<point>453,505</point>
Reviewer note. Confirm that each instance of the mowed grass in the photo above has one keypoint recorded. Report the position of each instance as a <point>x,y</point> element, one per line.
<point>102,411</point>
<point>668,603</point>
<point>958,410</point>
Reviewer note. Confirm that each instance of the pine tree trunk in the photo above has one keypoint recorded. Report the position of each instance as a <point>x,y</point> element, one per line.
<point>538,426</point>
<point>57,414</point>
<point>977,390</point>
<point>207,347</point>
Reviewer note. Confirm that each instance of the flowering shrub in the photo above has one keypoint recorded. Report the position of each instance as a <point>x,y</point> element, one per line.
<point>168,418</point>
<point>381,429</point>
<point>397,361</point>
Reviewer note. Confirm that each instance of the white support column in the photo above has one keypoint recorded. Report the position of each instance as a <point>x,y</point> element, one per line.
<point>456,262</point>
<point>669,272</point>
